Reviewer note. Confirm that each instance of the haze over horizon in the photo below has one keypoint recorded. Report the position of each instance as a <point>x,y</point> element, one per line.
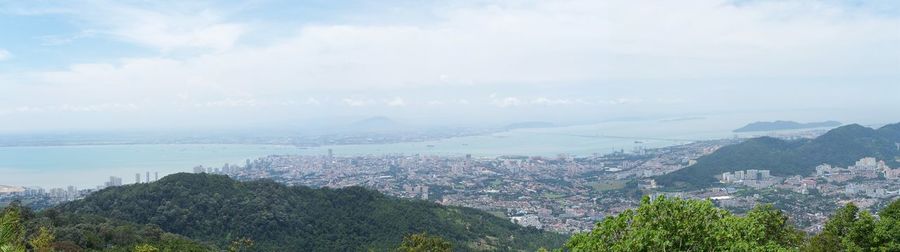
<point>96,65</point>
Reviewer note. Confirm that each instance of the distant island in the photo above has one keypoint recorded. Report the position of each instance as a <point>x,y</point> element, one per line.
<point>785,125</point>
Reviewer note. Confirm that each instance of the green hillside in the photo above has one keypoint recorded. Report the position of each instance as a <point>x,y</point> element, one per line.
<point>841,147</point>
<point>281,218</point>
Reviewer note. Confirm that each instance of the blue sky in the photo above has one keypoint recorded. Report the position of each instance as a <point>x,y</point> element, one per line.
<point>176,64</point>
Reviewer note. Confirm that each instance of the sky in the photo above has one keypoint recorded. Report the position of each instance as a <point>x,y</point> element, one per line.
<point>101,65</point>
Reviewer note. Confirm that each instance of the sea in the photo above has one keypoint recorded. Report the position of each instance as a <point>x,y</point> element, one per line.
<point>86,166</point>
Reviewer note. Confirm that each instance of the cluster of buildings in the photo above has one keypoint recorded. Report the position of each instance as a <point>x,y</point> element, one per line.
<point>752,178</point>
<point>38,198</point>
<point>867,167</point>
<point>563,193</point>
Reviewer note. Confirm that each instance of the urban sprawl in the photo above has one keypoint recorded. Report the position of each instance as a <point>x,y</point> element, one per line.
<point>564,194</point>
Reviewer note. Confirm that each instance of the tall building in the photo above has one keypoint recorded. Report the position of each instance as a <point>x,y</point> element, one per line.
<point>155,176</point>
<point>147,178</point>
<point>137,178</point>
<point>114,181</point>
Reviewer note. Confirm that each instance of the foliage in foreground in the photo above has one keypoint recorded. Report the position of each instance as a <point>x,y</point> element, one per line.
<point>22,230</point>
<point>852,230</point>
<point>424,243</point>
<point>665,224</point>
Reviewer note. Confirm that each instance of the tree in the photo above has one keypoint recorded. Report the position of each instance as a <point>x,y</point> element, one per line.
<point>145,248</point>
<point>43,241</point>
<point>852,230</point>
<point>12,230</point>
<point>676,224</point>
<point>422,242</point>
<point>240,245</point>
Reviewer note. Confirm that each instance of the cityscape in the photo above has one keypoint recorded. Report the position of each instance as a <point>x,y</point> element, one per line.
<point>563,194</point>
<point>449,126</point>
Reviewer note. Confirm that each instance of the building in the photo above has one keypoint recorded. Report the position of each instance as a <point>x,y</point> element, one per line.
<point>113,181</point>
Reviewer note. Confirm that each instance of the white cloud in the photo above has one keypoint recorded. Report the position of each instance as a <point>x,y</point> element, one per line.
<point>228,103</point>
<point>4,55</point>
<point>352,102</point>
<point>396,102</point>
<point>313,101</point>
<point>161,25</point>
<point>507,102</point>
<point>549,52</point>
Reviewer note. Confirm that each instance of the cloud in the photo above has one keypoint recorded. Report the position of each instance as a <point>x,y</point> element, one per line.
<point>161,25</point>
<point>352,102</point>
<point>228,103</point>
<point>542,53</point>
<point>105,107</point>
<point>505,102</point>
<point>396,102</point>
<point>4,55</point>
<point>313,101</point>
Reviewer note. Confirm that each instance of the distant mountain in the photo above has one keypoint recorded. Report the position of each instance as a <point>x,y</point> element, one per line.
<point>281,218</point>
<point>529,125</point>
<point>785,125</point>
<point>841,146</point>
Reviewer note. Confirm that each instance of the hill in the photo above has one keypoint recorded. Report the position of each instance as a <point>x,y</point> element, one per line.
<point>281,218</point>
<point>785,125</point>
<point>841,146</point>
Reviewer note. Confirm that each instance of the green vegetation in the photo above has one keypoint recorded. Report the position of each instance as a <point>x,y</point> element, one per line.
<point>424,243</point>
<point>852,230</point>
<point>608,185</point>
<point>841,147</point>
<point>12,230</point>
<point>688,225</point>
<point>276,217</point>
<point>51,230</point>
<point>675,224</point>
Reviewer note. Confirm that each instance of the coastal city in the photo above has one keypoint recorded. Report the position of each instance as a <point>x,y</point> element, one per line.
<point>565,194</point>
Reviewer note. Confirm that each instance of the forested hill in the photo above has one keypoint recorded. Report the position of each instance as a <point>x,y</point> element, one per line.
<point>281,218</point>
<point>840,146</point>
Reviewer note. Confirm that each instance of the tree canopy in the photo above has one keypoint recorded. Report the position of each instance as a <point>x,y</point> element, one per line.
<point>674,224</point>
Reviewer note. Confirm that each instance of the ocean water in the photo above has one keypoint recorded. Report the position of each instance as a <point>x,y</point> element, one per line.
<point>88,166</point>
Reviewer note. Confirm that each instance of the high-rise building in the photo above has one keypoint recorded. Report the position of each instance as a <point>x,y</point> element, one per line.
<point>114,181</point>
<point>155,176</point>
<point>137,178</point>
<point>147,178</point>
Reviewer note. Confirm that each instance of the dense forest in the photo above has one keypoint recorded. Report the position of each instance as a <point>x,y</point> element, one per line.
<point>665,224</point>
<point>840,147</point>
<point>218,211</point>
